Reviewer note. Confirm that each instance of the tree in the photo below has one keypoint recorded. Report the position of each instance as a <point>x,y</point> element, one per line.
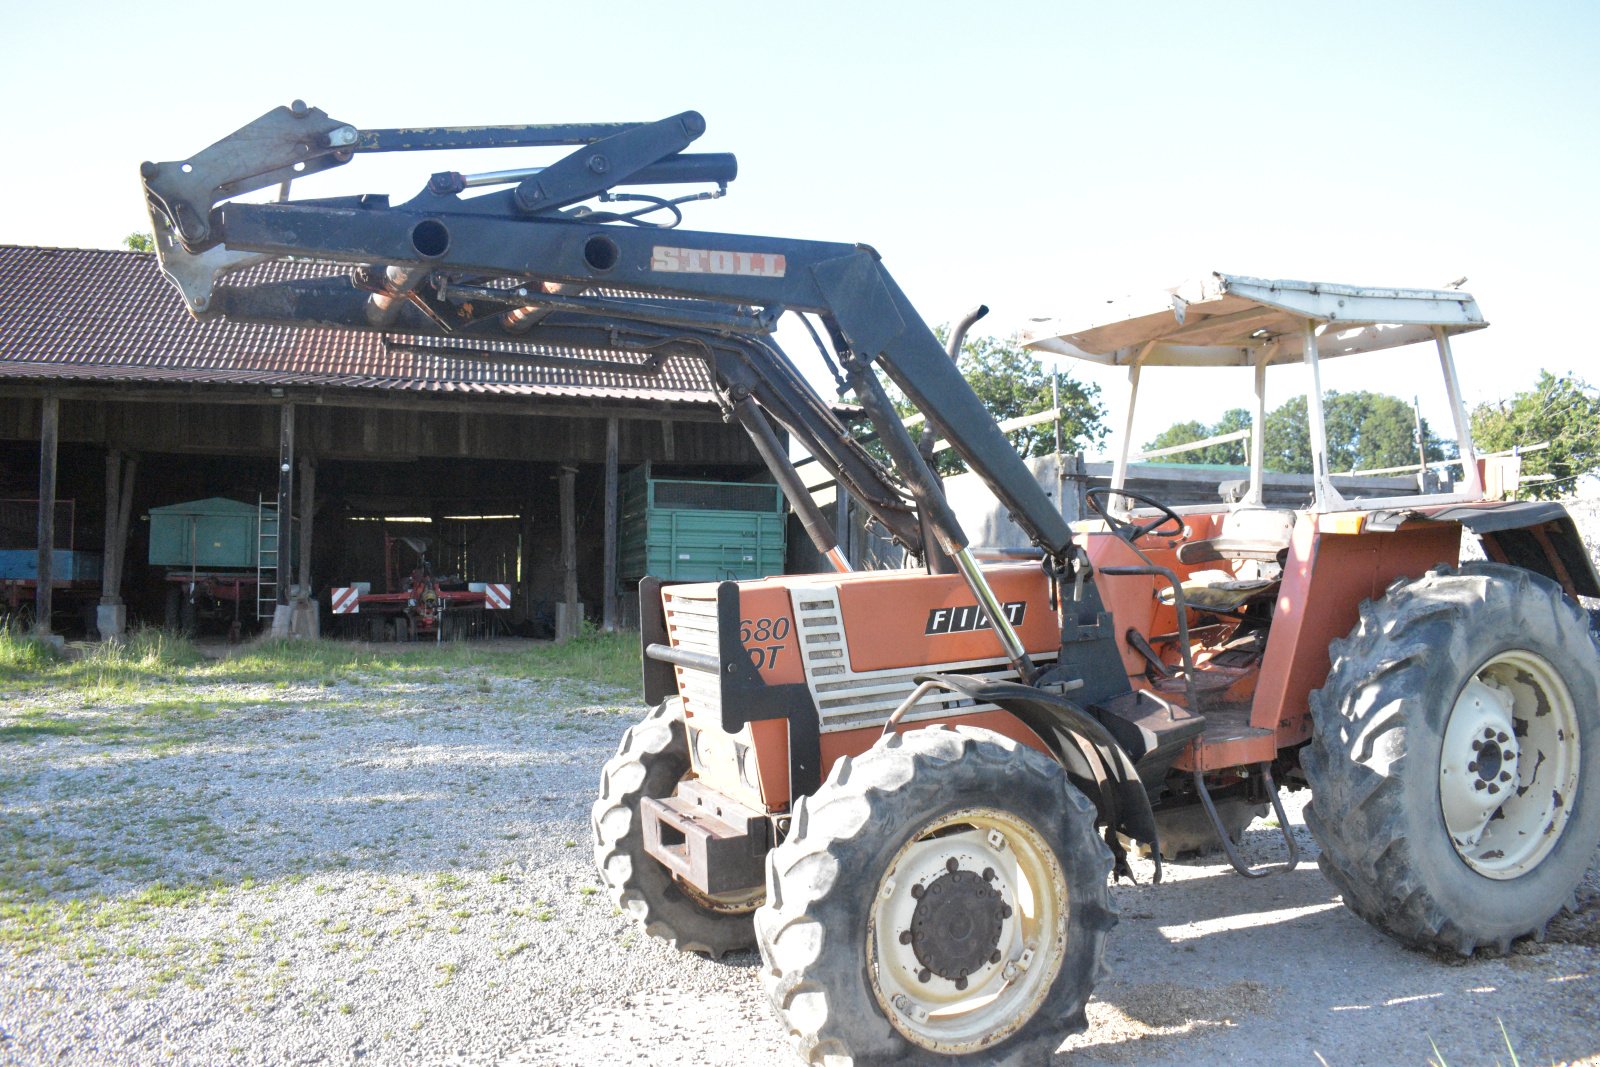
<point>139,242</point>
<point>1365,430</point>
<point>1563,411</point>
<point>1012,383</point>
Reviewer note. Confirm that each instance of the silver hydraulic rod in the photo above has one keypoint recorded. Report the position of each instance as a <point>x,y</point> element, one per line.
<point>990,605</point>
<point>382,308</point>
<point>499,177</point>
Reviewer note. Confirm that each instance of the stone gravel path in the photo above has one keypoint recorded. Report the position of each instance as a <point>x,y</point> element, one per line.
<point>400,874</point>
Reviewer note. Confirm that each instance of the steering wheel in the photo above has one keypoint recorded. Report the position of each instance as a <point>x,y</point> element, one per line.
<point>1132,531</point>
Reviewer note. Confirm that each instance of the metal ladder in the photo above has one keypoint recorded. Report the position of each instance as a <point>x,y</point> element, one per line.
<point>266,556</point>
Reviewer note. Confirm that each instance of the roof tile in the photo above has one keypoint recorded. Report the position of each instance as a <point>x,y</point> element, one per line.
<point>86,314</point>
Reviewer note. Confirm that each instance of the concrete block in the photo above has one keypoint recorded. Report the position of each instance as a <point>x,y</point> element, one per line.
<point>111,620</point>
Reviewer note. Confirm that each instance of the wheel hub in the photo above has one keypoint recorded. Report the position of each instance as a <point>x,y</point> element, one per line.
<point>956,927</point>
<point>1478,769</point>
<point>1508,768</point>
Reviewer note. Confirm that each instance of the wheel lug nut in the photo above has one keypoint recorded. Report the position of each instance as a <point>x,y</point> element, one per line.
<point>1505,776</point>
<point>917,891</point>
<point>961,983</point>
<point>905,937</point>
<point>951,865</point>
<point>988,874</point>
<point>1472,766</point>
<point>1005,911</point>
<point>1479,784</point>
<point>1502,737</point>
<point>1493,789</point>
<point>994,957</point>
<point>924,974</point>
<point>1476,744</point>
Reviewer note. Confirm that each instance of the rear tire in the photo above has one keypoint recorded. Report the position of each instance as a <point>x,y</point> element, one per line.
<point>911,887</point>
<point>1455,764</point>
<point>650,762</point>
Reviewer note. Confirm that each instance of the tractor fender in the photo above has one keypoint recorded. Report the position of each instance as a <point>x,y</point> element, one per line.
<point>1095,763</point>
<point>1536,535</point>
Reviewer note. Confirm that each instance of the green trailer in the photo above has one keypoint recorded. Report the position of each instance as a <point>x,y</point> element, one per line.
<point>212,533</point>
<point>687,530</point>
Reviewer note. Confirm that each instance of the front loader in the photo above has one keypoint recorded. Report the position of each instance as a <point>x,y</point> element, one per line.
<point>909,788</point>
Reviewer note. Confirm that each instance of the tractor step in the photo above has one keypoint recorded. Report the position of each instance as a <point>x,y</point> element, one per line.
<point>1229,741</point>
<point>1151,729</point>
<point>712,842</point>
<point>1263,773</point>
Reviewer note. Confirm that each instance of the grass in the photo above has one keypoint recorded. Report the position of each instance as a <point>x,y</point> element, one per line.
<point>154,657</point>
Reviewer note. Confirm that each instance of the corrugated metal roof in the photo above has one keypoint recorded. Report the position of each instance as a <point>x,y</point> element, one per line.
<point>101,315</point>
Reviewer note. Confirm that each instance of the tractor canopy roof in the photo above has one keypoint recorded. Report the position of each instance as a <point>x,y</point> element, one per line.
<point>1226,320</point>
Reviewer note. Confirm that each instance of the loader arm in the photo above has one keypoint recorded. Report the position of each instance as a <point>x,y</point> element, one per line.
<point>554,273</point>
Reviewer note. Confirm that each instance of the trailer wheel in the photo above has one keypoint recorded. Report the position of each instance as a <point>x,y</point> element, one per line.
<point>650,762</point>
<point>942,895</point>
<point>1455,765</point>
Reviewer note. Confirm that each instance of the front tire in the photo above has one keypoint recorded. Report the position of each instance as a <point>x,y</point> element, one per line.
<point>942,895</point>
<point>650,762</point>
<point>1455,763</point>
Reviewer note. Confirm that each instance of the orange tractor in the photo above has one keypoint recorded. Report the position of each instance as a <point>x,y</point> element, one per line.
<point>909,788</point>
<point>941,891</point>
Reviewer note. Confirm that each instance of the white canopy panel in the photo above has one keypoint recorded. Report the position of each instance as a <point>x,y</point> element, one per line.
<point>1226,319</point>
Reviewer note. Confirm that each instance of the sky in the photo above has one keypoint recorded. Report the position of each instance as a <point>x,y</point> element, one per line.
<point>1037,157</point>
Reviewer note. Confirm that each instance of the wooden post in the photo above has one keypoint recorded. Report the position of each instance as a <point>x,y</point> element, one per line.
<point>285,498</point>
<point>49,433</point>
<point>282,561</point>
<point>569,553</point>
<point>308,490</point>
<point>303,615</point>
<point>111,617</point>
<point>609,592</point>
<point>130,470</point>
<point>108,567</point>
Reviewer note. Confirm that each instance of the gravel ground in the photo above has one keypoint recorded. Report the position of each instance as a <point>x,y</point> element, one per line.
<point>401,874</point>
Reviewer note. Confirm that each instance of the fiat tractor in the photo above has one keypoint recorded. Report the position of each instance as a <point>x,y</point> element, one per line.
<point>908,789</point>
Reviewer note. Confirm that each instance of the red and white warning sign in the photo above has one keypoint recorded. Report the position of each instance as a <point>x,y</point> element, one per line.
<point>347,600</point>
<point>496,595</point>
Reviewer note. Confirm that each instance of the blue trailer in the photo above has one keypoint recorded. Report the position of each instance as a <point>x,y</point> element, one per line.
<point>75,575</point>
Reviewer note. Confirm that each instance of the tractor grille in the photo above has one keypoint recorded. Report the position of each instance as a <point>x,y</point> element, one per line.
<point>692,626</point>
<point>846,699</point>
<point>849,700</point>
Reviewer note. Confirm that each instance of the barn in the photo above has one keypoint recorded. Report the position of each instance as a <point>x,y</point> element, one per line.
<point>503,463</point>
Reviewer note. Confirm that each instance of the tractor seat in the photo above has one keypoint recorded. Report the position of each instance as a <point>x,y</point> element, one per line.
<point>1259,536</point>
<point>1218,591</point>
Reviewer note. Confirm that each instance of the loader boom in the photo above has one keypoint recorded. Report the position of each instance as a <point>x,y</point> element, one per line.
<point>556,274</point>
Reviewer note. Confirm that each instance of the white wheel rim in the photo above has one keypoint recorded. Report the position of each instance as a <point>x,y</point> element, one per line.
<point>1006,988</point>
<point>1508,769</point>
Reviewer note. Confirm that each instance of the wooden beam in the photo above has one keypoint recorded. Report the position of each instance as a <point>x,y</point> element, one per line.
<point>49,435</point>
<point>188,392</point>
<point>569,553</point>
<point>608,592</point>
